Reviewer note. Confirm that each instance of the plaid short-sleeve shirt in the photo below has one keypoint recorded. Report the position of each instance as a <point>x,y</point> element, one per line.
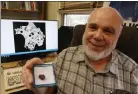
<point>74,74</point>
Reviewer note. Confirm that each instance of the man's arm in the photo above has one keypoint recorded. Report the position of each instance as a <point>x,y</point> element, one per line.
<point>27,76</point>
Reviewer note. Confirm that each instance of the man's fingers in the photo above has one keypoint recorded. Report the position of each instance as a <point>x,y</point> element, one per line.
<point>27,76</point>
<point>29,64</point>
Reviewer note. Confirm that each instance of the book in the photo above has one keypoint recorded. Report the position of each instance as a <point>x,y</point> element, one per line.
<point>14,5</point>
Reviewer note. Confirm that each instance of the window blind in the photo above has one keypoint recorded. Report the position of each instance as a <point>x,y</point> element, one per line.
<point>79,7</point>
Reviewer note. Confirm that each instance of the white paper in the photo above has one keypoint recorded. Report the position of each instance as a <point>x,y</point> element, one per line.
<point>47,71</point>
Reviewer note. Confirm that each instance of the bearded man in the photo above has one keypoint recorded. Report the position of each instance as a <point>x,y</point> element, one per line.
<point>95,67</point>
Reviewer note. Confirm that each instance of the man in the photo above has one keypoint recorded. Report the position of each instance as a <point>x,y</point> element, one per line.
<point>94,67</point>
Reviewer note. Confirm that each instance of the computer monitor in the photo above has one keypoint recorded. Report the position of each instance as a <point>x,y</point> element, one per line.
<point>24,38</point>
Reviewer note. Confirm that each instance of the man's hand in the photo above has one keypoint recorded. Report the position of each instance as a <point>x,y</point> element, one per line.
<point>27,77</point>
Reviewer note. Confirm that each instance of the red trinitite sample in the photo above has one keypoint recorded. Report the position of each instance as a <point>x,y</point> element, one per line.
<point>42,76</point>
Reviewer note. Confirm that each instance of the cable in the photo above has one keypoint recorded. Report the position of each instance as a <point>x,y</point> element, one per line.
<point>10,67</point>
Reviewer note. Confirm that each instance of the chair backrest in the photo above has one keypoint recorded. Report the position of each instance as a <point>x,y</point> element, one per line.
<point>127,43</point>
<point>65,34</point>
<point>77,35</point>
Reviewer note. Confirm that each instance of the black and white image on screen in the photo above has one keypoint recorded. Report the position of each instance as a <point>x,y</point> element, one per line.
<point>29,36</point>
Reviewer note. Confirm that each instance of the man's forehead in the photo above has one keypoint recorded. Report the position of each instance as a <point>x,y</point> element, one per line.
<point>101,16</point>
<point>104,21</point>
<point>108,10</point>
<point>106,13</point>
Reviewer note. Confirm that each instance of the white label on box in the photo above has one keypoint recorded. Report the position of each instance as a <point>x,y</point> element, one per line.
<point>12,78</point>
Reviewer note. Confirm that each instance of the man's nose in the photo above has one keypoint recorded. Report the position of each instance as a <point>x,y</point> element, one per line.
<point>99,35</point>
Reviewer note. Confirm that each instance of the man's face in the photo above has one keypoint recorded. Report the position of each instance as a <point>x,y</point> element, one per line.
<point>101,35</point>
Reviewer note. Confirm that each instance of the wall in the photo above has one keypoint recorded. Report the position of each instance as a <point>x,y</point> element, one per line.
<point>52,12</point>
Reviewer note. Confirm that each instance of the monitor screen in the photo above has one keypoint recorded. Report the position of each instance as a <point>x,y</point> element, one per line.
<point>23,37</point>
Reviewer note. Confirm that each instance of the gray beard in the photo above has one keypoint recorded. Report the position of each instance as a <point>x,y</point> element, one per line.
<point>97,56</point>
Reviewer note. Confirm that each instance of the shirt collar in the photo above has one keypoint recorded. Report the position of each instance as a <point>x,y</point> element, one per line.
<point>80,56</point>
<point>113,68</point>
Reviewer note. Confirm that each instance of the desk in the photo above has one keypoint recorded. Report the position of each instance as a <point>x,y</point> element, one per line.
<point>13,64</point>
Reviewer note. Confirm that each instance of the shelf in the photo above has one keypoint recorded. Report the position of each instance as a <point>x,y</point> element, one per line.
<point>19,14</point>
<point>32,10</point>
<point>18,10</point>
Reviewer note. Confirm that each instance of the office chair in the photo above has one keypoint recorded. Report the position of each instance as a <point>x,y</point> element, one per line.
<point>64,37</point>
<point>127,43</point>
